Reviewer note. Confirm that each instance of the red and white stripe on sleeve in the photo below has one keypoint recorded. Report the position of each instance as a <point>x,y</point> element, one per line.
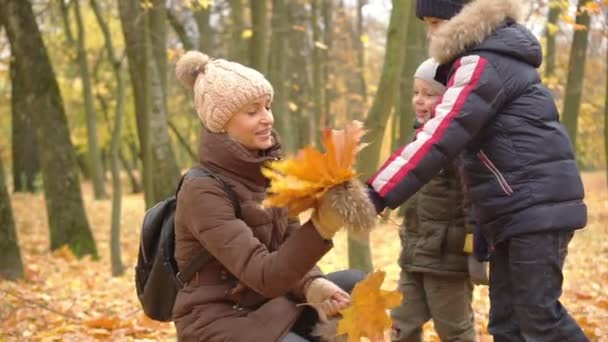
<point>467,73</point>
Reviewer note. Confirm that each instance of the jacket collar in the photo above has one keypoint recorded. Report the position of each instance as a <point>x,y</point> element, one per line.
<point>475,22</point>
<point>222,154</point>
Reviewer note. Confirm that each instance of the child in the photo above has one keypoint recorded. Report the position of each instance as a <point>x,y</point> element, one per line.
<point>518,162</point>
<point>434,268</point>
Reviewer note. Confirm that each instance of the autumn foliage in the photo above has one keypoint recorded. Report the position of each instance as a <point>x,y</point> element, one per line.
<point>298,182</point>
<point>367,315</point>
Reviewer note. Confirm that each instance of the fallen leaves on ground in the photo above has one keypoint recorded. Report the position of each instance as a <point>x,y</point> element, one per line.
<point>367,314</point>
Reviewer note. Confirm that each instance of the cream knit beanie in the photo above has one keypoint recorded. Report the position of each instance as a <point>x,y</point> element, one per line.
<point>427,71</point>
<point>221,88</point>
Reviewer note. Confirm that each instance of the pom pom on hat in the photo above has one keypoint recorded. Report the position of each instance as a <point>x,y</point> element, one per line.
<point>189,66</point>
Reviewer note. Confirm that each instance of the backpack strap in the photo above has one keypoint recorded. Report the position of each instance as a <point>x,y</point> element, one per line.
<point>203,257</point>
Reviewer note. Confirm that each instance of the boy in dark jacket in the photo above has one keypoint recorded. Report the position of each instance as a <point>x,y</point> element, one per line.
<point>516,157</point>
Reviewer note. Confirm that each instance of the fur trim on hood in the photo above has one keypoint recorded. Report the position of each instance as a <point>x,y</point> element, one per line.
<point>471,26</point>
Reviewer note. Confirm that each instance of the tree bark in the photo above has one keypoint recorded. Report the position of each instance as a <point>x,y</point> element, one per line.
<point>299,80</point>
<point>26,162</point>
<point>606,110</point>
<point>180,30</point>
<point>380,111</point>
<point>115,254</point>
<point>328,36</point>
<point>258,50</point>
<point>576,73</point>
<point>415,53</point>
<point>67,220</point>
<point>11,266</point>
<point>146,68</point>
<point>277,74</point>
<point>95,164</point>
<point>554,12</point>
<point>205,33</point>
<point>238,47</point>
<point>317,76</point>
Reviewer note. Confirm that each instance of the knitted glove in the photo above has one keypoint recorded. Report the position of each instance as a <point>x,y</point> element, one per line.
<point>478,271</point>
<point>326,219</point>
<point>326,297</point>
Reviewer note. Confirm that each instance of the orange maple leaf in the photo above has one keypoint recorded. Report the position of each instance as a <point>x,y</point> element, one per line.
<point>366,316</point>
<point>298,182</point>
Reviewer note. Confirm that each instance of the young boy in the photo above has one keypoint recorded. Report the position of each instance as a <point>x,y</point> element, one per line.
<point>516,157</point>
<point>434,276</point>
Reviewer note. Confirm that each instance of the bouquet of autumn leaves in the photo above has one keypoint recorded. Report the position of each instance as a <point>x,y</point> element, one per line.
<point>297,183</point>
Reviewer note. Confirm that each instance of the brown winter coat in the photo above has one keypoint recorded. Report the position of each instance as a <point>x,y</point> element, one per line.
<point>262,262</point>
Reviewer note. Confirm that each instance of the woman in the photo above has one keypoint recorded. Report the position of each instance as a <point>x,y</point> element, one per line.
<point>263,262</point>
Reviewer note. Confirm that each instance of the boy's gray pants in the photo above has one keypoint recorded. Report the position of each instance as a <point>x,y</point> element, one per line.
<point>445,299</point>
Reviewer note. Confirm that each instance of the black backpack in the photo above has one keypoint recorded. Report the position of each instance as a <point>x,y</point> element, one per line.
<point>157,277</point>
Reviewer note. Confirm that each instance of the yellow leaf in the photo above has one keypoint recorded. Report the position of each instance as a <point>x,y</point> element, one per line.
<point>320,45</point>
<point>246,34</point>
<point>65,253</point>
<point>552,28</point>
<point>366,316</point>
<point>292,106</point>
<point>297,182</point>
<point>146,4</point>
<point>593,8</point>
<point>109,323</point>
<point>364,39</point>
<point>204,4</point>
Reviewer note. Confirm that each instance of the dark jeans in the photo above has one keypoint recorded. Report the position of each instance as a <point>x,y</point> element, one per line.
<point>303,327</point>
<point>525,286</point>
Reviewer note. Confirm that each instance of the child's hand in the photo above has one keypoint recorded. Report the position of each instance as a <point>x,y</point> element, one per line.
<point>478,271</point>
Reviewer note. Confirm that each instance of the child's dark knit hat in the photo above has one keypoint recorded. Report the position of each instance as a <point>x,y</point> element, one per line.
<point>443,9</point>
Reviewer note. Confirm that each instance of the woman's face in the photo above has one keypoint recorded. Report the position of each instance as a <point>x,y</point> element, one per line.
<point>432,25</point>
<point>252,125</point>
<point>424,99</point>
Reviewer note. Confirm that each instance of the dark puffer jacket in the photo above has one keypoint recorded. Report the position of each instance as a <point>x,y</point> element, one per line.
<point>517,159</point>
<point>435,227</point>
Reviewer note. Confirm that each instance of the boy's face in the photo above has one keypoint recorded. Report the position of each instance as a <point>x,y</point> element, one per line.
<point>432,25</point>
<point>424,99</point>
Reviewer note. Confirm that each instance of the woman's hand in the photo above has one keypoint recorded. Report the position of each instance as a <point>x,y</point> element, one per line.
<point>327,298</point>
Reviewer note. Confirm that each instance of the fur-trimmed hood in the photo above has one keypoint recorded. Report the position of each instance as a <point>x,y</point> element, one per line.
<point>475,27</point>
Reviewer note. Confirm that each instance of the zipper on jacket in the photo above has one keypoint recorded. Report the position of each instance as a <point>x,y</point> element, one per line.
<point>506,188</point>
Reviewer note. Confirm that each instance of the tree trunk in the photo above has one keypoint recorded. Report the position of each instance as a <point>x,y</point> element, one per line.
<point>67,220</point>
<point>258,51</point>
<point>299,80</point>
<point>328,120</point>
<point>237,47</point>
<point>606,111</point>
<point>550,31</point>
<point>317,76</point>
<point>415,53</point>
<point>26,164</point>
<point>10,254</point>
<point>277,74</point>
<point>576,73</point>
<point>146,67</point>
<point>115,255</point>
<point>180,30</point>
<point>205,33</point>
<point>381,108</point>
<point>95,165</point>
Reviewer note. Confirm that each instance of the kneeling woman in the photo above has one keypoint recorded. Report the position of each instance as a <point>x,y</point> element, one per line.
<point>264,263</point>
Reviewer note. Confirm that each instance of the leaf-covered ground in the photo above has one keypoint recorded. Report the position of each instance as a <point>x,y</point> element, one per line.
<point>65,299</point>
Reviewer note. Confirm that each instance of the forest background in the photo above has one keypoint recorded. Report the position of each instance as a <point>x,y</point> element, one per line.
<point>94,129</point>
